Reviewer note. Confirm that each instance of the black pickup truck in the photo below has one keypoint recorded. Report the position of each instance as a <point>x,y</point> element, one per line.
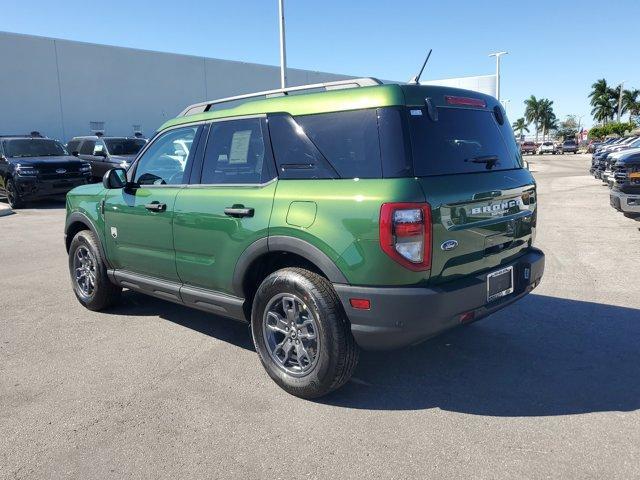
<point>33,167</point>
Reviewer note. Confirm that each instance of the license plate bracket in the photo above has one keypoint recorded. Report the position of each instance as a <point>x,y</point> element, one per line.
<point>499,283</point>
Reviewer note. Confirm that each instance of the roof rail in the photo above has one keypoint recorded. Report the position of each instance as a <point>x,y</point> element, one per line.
<point>337,85</point>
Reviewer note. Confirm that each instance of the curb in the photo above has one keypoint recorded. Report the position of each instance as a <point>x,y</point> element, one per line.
<point>5,210</point>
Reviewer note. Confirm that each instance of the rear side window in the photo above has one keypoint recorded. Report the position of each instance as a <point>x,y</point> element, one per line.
<point>87,147</point>
<point>296,156</point>
<point>348,140</point>
<point>236,153</point>
<point>460,140</point>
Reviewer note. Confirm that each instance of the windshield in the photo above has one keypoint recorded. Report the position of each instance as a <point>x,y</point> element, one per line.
<point>124,146</point>
<point>461,140</point>
<point>34,147</point>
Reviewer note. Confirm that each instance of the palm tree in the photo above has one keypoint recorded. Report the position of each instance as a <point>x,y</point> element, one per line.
<point>604,101</point>
<point>532,112</point>
<point>631,102</point>
<point>546,117</point>
<point>520,126</point>
<point>604,109</point>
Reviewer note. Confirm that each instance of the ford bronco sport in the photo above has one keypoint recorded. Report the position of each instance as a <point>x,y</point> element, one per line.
<point>366,216</point>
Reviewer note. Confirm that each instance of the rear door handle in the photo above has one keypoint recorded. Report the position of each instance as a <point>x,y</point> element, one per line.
<point>156,206</point>
<point>238,212</point>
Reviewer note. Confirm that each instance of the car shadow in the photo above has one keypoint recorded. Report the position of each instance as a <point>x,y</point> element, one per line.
<point>225,329</point>
<point>54,203</point>
<point>541,356</point>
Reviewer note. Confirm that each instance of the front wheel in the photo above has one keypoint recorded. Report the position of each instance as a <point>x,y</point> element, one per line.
<point>13,195</point>
<point>89,278</point>
<point>301,333</point>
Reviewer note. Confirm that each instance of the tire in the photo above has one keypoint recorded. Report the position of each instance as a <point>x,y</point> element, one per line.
<point>631,214</point>
<point>104,293</point>
<point>13,196</point>
<point>336,353</point>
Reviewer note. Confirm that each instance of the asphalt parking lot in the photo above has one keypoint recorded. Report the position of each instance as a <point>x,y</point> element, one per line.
<point>549,388</point>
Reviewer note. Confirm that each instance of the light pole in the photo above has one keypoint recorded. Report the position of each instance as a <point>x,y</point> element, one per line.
<point>620,101</point>
<point>498,55</point>
<point>283,48</point>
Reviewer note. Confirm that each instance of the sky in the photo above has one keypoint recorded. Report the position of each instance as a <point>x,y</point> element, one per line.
<point>557,49</point>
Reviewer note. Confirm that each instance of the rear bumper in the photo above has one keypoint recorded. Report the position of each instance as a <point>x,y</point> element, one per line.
<point>35,187</point>
<point>402,316</point>
<point>624,202</point>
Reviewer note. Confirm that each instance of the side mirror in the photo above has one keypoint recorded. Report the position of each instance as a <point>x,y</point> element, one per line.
<point>115,178</point>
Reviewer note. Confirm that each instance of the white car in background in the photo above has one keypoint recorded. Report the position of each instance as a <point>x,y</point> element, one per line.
<point>547,147</point>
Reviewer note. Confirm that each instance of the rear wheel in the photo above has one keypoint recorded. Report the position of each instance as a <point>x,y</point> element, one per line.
<point>91,285</point>
<point>13,195</point>
<point>301,333</point>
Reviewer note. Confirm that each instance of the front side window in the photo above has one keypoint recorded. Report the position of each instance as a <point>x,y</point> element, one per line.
<point>73,145</point>
<point>165,161</point>
<point>236,153</point>
<point>34,147</point>
<point>87,148</point>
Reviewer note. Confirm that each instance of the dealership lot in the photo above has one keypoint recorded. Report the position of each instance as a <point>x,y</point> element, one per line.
<point>546,388</point>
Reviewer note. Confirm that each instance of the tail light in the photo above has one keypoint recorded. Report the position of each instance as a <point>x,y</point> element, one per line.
<point>465,101</point>
<point>405,234</point>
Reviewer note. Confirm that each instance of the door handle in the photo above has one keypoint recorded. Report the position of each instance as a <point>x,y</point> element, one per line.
<point>156,206</point>
<point>238,212</point>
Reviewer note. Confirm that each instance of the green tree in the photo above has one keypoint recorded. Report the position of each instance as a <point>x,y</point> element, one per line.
<point>532,112</point>
<point>631,103</point>
<point>568,128</point>
<point>604,101</point>
<point>520,126</point>
<point>546,117</point>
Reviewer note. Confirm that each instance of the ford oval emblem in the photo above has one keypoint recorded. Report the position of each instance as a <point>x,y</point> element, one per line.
<point>61,170</point>
<point>449,245</point>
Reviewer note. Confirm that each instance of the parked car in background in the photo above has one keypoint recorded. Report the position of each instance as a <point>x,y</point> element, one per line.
<point>105,153</point>
<point>625,192</point>
<point>569,146</point>
<point>528,147</point>
<point>327,220</point>
<point>547,147</point>
<point>35,167</point>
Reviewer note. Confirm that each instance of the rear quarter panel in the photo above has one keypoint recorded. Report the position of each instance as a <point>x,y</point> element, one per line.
<point>346,221</point>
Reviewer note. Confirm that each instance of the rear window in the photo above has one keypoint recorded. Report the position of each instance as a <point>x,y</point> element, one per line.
<point>460,140</point>
<point>124,146</point>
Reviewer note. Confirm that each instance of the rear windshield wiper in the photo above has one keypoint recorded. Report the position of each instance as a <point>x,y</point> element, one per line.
<point>489,160</point>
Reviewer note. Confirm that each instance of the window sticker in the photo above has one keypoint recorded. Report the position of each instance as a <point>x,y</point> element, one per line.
<point>240,146</point>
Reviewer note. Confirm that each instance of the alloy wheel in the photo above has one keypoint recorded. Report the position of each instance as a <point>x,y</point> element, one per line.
<point>291,334</point>
<point>84,266</point>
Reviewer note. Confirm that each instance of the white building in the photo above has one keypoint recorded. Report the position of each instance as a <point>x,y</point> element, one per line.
<point>64,88</point>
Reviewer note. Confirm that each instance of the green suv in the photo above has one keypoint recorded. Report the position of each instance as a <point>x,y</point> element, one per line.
<point>330,217</point>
